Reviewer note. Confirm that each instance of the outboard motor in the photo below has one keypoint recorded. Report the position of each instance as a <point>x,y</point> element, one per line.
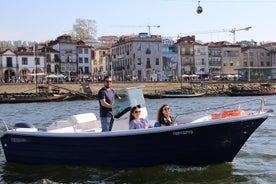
<point>25,127</point>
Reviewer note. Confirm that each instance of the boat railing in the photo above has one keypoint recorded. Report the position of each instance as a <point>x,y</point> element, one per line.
<point>3,125</point>
<point>234,106</point>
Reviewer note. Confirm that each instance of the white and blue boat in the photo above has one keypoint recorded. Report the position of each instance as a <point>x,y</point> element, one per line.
<point>204,137</point>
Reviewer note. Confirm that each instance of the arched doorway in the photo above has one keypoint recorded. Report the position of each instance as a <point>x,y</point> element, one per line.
<point>9,76</point>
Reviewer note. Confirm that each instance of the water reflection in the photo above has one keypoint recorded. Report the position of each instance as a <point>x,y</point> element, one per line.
<point>20,173</point>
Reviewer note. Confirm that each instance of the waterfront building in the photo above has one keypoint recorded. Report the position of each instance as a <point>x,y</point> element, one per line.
<point>193,58</point>
<point>169,59</point>
<point>8,63</point>
<point>231,60</point>
<point>52,59</point>
<point>84,61</point>
<point>214,59</point>
<point>100,62</point>
<point>22,65</point>
<point>67,49</point>
<point>137,57</point>
<point>257,64</point>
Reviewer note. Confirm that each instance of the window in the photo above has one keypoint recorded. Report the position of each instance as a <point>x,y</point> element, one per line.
<point>139,62</point>
<point>157,47</point>
<point>86,70</point>
<point>9,62</point>
<point>24,61</point>
<point>85,51</point>
<point>86,60</point>
<point>139,47</point>
<point>148,63</point>
<point>80,70</point>
<point>80,60</point>
<point>182,50</point>
<point>69,59</point>
<point>80,50</point>
<point>157,61</point>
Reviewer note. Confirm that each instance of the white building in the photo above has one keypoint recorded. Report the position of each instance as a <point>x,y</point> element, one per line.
<point>137,58</point>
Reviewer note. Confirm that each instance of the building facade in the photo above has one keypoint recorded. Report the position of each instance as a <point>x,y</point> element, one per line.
<point>137,58</point>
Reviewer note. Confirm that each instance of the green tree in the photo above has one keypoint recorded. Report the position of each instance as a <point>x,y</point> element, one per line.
<point>84,29</point>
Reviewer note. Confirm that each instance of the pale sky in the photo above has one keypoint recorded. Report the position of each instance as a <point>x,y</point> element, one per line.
<point>35,20</point>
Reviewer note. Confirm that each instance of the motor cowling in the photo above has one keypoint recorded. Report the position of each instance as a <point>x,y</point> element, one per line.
<point>24,126</point>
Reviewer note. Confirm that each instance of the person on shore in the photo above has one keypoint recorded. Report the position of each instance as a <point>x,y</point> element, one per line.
<point>164,116</point>
<point>135,121</point>
<point>106,96</point>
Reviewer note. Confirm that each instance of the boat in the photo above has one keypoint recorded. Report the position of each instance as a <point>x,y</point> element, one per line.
<point>184,92</point>
<point>209,136</point>
<point>262,90</point>
<point>250,93</point>
<point>179,94</point>
<point>43,95</point>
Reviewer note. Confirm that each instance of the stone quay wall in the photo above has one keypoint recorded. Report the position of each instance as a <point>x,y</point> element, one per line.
<point>213,88</point>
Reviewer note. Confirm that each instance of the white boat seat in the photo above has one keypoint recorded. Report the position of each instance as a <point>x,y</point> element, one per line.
<point>82,118</point>
<point>86,122</point>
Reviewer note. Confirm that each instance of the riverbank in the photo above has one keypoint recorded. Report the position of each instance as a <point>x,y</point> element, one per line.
<point>214,88</point>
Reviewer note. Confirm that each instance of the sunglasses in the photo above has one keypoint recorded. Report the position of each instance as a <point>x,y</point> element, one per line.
<point>136,112</point>
<point>166,109</point>
<point>108,81</point>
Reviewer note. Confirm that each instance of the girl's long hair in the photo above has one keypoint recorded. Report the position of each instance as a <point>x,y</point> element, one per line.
<point>160,114</point>
<point>131,117</point>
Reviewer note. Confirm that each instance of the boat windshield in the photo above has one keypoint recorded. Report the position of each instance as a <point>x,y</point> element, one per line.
<point>129,97</point>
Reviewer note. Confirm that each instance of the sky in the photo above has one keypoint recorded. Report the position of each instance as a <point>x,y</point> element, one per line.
<point>35,20</point>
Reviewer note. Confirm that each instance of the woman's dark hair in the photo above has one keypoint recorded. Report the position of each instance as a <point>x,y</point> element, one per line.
<point>131,111</point>
<point>160,114</point>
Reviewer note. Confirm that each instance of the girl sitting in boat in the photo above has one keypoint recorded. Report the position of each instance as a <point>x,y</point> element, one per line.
<point>164,116</point>
<point>135,121</point>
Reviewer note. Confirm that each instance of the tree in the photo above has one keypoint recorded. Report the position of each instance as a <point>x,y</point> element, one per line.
<point>84,29</point>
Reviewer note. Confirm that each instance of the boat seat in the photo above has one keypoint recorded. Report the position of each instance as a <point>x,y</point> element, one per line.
<point>85,122</point>
<point>82,118</point>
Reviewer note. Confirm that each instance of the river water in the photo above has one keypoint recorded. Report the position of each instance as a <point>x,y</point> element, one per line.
<point>255,163</point>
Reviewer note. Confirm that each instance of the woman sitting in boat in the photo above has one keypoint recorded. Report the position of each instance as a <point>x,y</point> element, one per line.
<point>164,116</point>
<point>135,121</point>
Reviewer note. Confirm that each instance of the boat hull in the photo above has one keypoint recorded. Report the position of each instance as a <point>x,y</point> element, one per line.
<point>182,95</point>
<point>30,99</point>
<point>255,93</point>
<point>187,144</point>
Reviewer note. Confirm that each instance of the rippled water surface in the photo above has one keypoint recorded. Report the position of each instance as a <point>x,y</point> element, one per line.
<point>255,163</point>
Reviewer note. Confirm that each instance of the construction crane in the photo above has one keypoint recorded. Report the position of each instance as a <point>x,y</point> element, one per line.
<point>150,26</point>
<point>233,31</point>
<point>240,29</point>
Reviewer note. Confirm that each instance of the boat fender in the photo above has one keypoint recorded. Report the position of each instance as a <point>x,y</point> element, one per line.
<point>227,114</point>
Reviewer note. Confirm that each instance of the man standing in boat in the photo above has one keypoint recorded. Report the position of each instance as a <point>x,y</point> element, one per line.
<point>106,97</point>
